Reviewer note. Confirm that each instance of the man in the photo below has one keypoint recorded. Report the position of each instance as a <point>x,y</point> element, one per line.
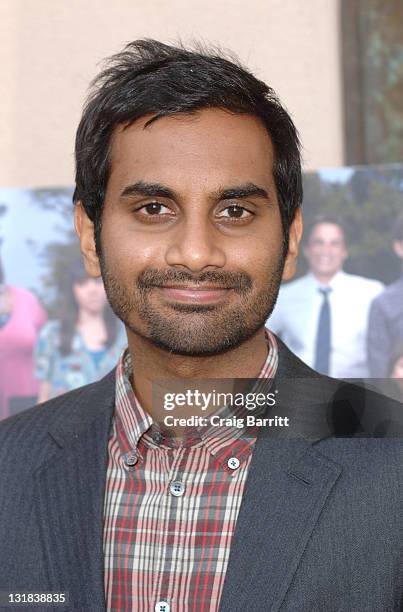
<point>188,193</point>
<point>386,317</point>
<point>323,315</point>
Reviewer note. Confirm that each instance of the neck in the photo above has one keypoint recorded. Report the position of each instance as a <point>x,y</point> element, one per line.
<point>87,317</point>
<point>324,279</point>
<point>151,363</point>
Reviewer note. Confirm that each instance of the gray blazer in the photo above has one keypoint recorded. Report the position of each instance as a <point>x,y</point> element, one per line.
<point>320,525</point>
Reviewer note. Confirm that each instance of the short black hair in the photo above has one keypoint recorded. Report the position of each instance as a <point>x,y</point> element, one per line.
<point>149,77</point>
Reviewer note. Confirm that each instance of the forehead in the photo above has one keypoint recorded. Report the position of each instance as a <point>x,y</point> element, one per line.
<point>327,231</point>
<point>210,146</point>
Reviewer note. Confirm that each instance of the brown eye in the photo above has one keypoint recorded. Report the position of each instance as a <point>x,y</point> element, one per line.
<point>235,212</point>
<point>154,212</point>
<point>153,208</point>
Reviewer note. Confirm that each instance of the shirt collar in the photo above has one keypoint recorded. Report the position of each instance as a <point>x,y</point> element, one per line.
<point>132,423</point>
<point>334,282</point>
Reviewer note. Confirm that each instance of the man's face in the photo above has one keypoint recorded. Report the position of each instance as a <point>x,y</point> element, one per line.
<point>191,235</point>
<point>326,250</point>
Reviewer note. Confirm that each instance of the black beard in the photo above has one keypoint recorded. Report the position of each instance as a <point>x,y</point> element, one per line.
<point>194,330</point>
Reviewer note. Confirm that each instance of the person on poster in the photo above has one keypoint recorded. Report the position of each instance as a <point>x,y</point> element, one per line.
<point>22,317</point>
<point>83,343</point>
<point>323,316</point>
<point>385,325</point>
<point>188,205</point>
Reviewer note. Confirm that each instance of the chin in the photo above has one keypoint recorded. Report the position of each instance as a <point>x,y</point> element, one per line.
<point>197,340</point>
<point>190,349</point>
<point>327,271</point>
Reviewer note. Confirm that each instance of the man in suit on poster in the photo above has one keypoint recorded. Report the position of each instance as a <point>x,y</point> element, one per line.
<point>323,316</point>
<point>187,202</point>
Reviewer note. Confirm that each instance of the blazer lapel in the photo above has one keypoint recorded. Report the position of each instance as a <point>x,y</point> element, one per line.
<point>287,487</point>
<point>70,494</point>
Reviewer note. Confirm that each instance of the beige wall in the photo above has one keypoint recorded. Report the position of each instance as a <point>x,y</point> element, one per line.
<point>50,49</point>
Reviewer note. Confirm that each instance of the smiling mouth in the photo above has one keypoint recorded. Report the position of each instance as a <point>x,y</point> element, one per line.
<point>195,294</point>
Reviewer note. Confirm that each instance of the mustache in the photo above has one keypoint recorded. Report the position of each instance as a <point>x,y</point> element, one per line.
<point>239,281</point>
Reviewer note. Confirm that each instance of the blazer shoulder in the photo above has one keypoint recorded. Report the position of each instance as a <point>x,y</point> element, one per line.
<point>352,408</point>
<point>391,295</point>
<point>68,412</point>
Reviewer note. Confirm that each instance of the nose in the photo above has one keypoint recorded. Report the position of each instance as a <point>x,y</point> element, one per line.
<point>195,246</point>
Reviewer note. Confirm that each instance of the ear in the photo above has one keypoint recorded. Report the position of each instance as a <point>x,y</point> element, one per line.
<point>398,248</point>
<point>293,246</point>
<point>85,232</point>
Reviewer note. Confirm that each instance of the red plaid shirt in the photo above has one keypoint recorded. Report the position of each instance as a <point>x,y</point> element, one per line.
<point>170,511</point>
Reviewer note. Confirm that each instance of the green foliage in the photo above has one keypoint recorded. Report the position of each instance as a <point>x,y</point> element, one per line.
<point>382,69</point>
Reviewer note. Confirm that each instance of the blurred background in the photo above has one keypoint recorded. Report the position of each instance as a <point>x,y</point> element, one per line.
<point>337,65</point>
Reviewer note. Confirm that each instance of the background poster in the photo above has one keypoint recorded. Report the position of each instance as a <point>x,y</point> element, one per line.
<point>39,248</point>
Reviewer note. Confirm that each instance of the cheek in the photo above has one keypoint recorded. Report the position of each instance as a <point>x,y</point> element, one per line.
<point>341,254</point>
<point>126,253</point>
<point>311,255</point>
<point>78,292</point>
<point>257,257</point>
<point>80,299</point>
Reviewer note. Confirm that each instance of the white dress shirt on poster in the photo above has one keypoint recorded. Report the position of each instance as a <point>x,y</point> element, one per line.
<point>295,320</point>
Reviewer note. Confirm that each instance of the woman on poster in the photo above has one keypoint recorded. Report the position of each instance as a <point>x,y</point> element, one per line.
<point>83,343</point>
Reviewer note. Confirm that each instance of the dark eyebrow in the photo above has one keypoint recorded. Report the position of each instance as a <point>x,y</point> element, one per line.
<point>243,191</point>
<point>148,189</point>
<point>158,190</point>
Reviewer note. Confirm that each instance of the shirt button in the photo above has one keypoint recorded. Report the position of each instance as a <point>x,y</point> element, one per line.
<point>131,459</point>
<point>177,488</point>
<point>233,463</point>
<point>157,436</point>
<point>162,606</point>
